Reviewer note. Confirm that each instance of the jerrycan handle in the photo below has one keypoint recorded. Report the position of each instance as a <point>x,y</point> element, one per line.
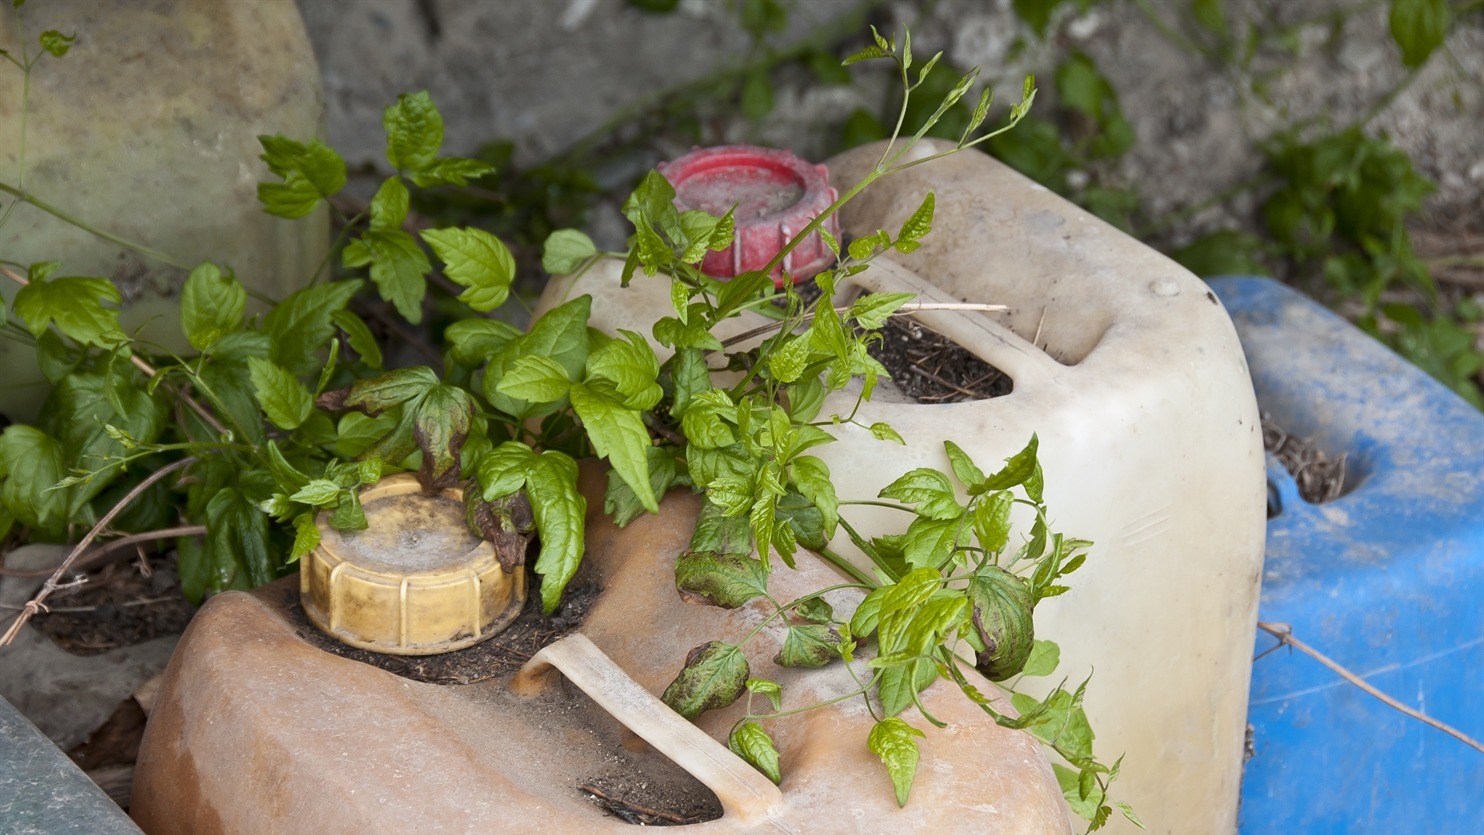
<point>989,340</point>
<point>744,792</point>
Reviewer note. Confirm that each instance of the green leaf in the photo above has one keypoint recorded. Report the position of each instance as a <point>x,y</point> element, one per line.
<point>398,265</point>
<point>319,492</point>
<point>892,740</point>
<point>725,580</point>
<point>75,304</point>
<point>79,413</point>
<point>1210,15</point>
<point>873,309</point>
<point>473,341</point>
<point>813,645</point>
<point>477,260</point>
<point>306,536</point>
<point>930,542</point>
<point>359,336</point>
<point>866,54</point>
<point>310,173</point>
<point>964,468</point>
<point>284,399</point>
<point>618,434</point>
<point>55,42</point>
<point>767,688</point>
<point>812,476</point>
<point>227,380</point>
<point>714,676</point>
<point>1018,469</point>
<point>560,513</point>
<point>1226,252</point>
<point>631,366</point>
<point>1419,27</point>
<point>535,378</point>
<point>301,324</point>
<point>349,515</point>
<point>286,475</point>
<point>787,363</point>
<point>916,226</point>
<point>992,520</point>
<point>883,432</point>
<point>561,334</point>
<point>619,500</point>
<point>414,131</point>
<point>565,250</point>
<point>1043,660</point>
<point>237,548</point>
<point>452,171</point>
<point>55,358</point>
<point>390,204</point>
<point>929,489</point>
<point>211,305</point>
<point>1002,616</point>
<point>377,394</point>
<point>358,431</point>
<point>444,415</point>
<point>750,742</point>
<point>34,461</point>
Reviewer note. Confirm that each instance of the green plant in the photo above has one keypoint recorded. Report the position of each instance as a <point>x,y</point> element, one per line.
<point>281,418</point>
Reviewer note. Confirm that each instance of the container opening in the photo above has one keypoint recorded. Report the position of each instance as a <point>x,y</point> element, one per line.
<point>760,187</point>
<point>1320,476</point>
<point>925,366</point>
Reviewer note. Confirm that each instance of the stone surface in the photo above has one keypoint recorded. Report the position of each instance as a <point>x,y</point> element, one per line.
<point>248,710</point>
<point>65,695</point>
<point>43,793</point>
<point>148,129</point>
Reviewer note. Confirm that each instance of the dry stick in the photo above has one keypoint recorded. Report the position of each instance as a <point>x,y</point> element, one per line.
<point>919,370</point>
<point>94,559</point>
<point>37,603</point>
<point>654,813</point>
<point>1284,633</point>
<point>910,307</point>
<point>142,366</point>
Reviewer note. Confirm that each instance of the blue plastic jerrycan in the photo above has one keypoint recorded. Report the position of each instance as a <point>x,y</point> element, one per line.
<point>1387,580</point>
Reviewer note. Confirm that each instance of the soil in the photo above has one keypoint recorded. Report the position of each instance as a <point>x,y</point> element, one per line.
<point>501,655</point>
<point>931,368</point>
<point>925,365</point>
<point>1320,478</point>
<point>121,604</point>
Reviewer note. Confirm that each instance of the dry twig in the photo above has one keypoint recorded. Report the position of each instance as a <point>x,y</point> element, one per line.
<point>38,603</point>
<point>94,559</point>
<point>1284,633</point>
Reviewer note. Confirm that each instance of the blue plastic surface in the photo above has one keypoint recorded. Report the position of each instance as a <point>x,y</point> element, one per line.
<point>1388,580</point>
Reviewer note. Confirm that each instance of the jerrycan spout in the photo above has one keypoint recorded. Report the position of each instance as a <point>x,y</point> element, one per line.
<point>745,794</point>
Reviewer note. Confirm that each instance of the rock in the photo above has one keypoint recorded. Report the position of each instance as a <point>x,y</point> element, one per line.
<point>148,129</point>
<point>66,695</point>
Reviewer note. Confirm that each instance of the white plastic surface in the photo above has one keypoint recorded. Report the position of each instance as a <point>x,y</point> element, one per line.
<point>1137,387</point>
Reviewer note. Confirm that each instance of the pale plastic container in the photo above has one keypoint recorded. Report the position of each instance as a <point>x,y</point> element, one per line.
<point>1149,438</point>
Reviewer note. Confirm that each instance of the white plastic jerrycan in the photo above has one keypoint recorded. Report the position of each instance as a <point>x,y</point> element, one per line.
<point>1130,372</point>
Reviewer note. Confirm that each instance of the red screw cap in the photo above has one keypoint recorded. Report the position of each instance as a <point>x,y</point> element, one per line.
<point>777,194</point>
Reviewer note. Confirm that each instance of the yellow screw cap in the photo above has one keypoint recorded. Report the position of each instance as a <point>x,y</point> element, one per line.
<point>415,581</point>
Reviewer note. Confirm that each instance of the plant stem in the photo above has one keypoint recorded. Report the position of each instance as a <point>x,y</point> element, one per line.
<point>875,503</point>
<point>847,567</point>
<point>95,558</point>
<point>88,227</point>
<point>37,603</point>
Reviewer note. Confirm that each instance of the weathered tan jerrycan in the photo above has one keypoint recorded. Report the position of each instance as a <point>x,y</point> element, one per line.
<point>1130,371</point>
<point>257,732</point>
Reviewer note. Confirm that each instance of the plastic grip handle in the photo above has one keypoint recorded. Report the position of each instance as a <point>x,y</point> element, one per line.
<point>743,791</point>
<point>990,341</point>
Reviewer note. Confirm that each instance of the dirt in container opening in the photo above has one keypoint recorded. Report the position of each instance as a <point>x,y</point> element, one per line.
<point>500,655</point>
<point>121,604</point>
<point>647,804</point>
<point>925,365</point>
<point>1320,478</point>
